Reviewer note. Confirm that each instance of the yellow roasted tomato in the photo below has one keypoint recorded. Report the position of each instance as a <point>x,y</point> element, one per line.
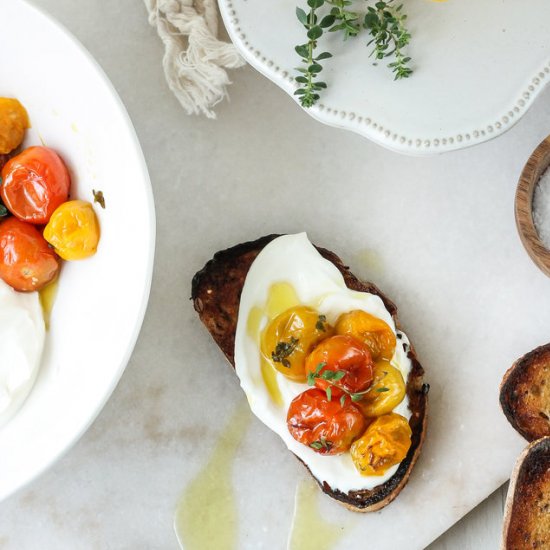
<point>385,443</point>
<point>13,123</point>
<point>375,333</point>
<point>290,337</point>
<point>386,392</point>
<point>73,230</point>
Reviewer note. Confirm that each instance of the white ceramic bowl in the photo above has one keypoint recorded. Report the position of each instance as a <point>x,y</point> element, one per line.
<point>101,301</point>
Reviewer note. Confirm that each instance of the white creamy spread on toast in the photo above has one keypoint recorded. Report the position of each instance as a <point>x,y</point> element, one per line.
<point>318,283</point>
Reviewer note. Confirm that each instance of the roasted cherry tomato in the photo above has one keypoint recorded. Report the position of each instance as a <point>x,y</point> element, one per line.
<point>73,230</point>
<point>386,392</point>
<point>13,123</point>
<point>342,363</point>
<point>26,261</point>
<point>385,443</point>
<point>34,184</point>
<point>325,426</point>
<point>375,333</point>
<point>290,337</point>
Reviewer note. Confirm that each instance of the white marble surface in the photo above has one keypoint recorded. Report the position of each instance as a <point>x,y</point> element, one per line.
<point>118,486</point>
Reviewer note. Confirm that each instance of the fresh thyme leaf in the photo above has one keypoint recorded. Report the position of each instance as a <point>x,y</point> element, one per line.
<point>343,400</point>
<point>99,198</point>
<point>356,397</point>
<point>284,350</point>
<point>322,319</point>
<point>311,376</point>
<point>321,443</point>
<point>302,16</point>
<point>3,210</point>
<point>329,393</point>
<point>382,390</point>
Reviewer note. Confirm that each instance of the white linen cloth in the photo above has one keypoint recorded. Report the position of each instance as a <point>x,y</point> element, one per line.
<point>195,60</point>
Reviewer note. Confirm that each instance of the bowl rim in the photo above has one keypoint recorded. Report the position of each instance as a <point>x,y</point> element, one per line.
<point>536,165</point>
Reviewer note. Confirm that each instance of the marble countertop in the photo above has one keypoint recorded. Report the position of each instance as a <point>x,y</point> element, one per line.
<point>117,487</point>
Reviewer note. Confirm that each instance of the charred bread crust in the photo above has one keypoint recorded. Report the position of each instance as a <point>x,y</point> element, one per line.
<point>216,291</point>
<point>525,394</point>
<point>527,511</point>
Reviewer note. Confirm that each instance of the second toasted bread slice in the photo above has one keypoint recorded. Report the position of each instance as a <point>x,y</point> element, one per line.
<point>525,394</point>
<point>527,512</point>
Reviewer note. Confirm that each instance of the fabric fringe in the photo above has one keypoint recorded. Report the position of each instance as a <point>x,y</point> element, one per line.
<point>194,61</point>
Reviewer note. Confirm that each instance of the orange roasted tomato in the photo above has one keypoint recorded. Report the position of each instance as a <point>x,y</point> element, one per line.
<point>73,230</point>
<point>340,364</point>
<point>327,427</point>
<point>375,333</point>
<point>26,261</point>
<point>34,184</point>
<point>386,392</point>
<point>385,443</point>
<point>289,337</point>
<point>13,123</point>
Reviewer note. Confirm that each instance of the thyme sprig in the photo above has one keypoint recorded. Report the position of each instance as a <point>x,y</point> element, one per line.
<point>283,350</point>
<point>386,25</point>
<point>309,91</point>
<point>332,376</point>
<point>345,20</point>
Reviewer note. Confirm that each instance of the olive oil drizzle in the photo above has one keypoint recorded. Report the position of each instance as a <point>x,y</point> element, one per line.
<point>47,299</point>
<point>281,297</point>
<point>310,530</point>
<point>206,514</point>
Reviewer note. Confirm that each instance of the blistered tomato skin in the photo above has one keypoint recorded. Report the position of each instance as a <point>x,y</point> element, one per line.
<point>385,443</point>
<point>13,123</point>
<point>34,184</point>
<point>73,230</point>
<point>325,426</point>
<point>386,392</point>
<point>289,337</point>
<point>27,263</point>
<point>376,334</point>
<point>344,355</point>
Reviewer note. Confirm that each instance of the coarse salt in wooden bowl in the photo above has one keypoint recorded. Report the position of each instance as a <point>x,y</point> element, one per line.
<point>537,164</point>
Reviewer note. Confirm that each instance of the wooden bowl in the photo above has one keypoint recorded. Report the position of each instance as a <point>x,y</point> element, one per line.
<point>538,162</point>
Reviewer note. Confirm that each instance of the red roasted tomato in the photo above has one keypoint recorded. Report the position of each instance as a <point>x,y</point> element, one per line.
<point>342,364</point>
<point>325,426</point>
<point>34,184</point>
<point>26,260</point>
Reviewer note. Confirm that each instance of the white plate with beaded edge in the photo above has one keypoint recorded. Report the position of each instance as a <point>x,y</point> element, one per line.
<point>101,301</point>
<point>478,66</point>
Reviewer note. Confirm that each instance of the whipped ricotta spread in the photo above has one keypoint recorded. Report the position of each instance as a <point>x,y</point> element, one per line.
<point>22,335</point>
<point>293,260</point>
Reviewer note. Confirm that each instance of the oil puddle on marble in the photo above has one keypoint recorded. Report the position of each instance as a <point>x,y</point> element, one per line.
<point>369,261</point>
<point>310,529</point>
<point>206,515</point>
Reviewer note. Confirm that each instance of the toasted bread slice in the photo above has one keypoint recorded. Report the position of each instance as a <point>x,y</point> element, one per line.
<point>525,394</point>
<point>527,510</point>
<point>216,291</point>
